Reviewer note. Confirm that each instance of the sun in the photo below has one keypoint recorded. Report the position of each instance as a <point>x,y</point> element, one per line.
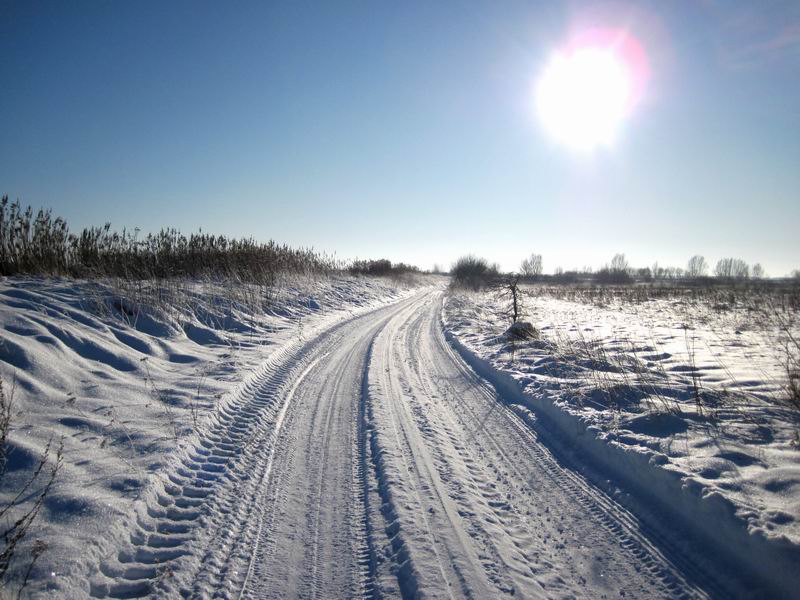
<point>587,90</point>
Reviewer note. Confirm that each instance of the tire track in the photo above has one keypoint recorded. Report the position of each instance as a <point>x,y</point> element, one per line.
<point>537,526</point>
<point>199,520</point>
<point>372,462</point>
<point>321,512</point>
<point>446,563</point>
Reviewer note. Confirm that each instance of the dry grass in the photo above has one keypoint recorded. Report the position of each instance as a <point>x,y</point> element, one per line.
<point>41,244</point>
<point>19,512</point>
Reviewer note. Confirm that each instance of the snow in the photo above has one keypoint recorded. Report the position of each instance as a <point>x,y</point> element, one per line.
<point>477,502</point>
<point>125,377</point>
<point>620,380</point>
<point>350,437</point>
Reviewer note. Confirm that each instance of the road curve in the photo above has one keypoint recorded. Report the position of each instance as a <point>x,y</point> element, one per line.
<point>371,462</point>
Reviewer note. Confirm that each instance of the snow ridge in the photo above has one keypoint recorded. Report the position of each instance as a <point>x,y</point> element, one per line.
<point>724,537</point>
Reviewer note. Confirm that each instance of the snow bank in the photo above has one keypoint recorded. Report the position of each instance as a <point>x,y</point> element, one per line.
<point>729,472</point>
<point>125,378</point>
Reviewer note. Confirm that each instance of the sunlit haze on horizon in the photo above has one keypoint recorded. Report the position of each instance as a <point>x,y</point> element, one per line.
<point>417,132</point>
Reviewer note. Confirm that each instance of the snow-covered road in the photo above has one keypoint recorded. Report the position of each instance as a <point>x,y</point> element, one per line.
<point>371,461</point>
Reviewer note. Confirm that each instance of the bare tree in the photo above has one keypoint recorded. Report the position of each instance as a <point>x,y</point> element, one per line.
<point>757,271</point>
<point>724,268</point>
<point>732,268</point>
<point>741,270</point>
<point>658,271</point>
<point>531,266</point>
<point>508,288</point>
<point>696,267</point>
<point>619,264</point>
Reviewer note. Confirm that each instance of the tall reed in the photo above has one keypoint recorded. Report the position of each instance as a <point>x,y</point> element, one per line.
<point>41,244</point>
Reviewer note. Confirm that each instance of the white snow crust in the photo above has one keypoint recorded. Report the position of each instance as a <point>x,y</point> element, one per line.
<point>620,380</point>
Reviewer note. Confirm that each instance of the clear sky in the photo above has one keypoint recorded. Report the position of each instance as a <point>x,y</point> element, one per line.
<point>406,130</point>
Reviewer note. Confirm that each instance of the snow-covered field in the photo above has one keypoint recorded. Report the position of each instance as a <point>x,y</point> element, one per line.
<point>123,378</point>
<point>681,396</point>
<point>351,437</point>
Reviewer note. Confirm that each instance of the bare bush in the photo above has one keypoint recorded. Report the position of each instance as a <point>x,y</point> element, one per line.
<point>381,268</point>
<point>791,357</point>
<point>371,267</point>
<point>471,271</point>
<point>562,276</point>
<point>793,377</point>
<point>18,514</point>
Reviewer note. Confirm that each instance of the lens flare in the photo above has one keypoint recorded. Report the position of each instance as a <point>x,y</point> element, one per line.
<point>588,89</point>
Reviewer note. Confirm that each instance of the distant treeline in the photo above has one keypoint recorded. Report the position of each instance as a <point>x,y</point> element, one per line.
<point>619,271</point>
<point>474,271</point>
<point>41,244</point>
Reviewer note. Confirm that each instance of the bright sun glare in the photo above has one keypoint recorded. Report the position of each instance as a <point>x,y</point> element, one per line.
<point>585,93</point>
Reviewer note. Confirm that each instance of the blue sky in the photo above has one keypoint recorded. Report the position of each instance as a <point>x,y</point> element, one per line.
<point>405,130</point>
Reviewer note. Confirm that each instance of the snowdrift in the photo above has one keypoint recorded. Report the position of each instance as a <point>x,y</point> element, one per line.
<point>124,377</point>
<point>752,525</point>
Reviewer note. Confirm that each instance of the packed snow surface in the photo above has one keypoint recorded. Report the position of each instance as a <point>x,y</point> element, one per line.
<point>342,438</point>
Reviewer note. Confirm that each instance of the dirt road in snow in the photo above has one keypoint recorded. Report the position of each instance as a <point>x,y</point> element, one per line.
<point>370,461</point>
